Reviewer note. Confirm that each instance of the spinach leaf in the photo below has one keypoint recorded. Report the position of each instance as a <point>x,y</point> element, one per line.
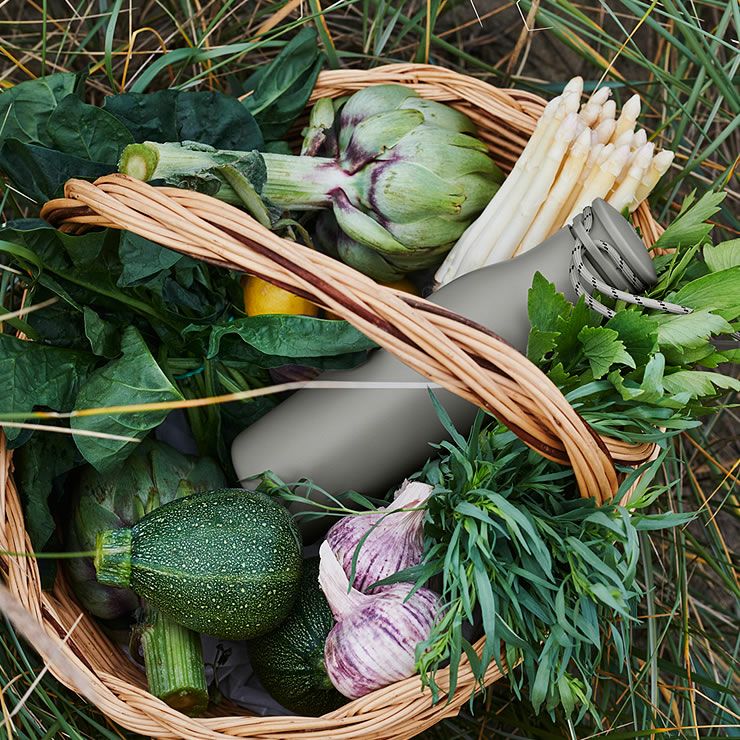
<point>293,337</point>
<point>36,375</point>
<point>86,131</point>
<point>43,459</point>
<point>134,378</point>
<point>25,108</point>
<point>171,115</point>
<point>142,259</point>
<point>280,89</point>
<point>40,173</point>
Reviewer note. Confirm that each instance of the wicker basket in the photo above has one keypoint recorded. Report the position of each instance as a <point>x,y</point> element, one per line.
<point>449,349</point>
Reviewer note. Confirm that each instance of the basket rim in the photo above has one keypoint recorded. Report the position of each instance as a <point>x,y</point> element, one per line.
<point>402,709</point>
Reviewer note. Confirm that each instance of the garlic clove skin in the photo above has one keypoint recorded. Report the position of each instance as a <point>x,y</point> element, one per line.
<point>389,539</point>
<point>373,644</point>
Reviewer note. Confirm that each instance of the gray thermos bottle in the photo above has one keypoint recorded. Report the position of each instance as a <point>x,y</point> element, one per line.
<point>369,440</point>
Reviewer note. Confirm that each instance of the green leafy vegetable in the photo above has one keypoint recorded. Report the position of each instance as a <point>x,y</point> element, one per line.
<point>280,89</point>
<point>134,378</point>
<point>507,534</point>
<point>293,337</point>
<point>634,373</point>
<point>603,348</point>
<point>84,130</point>
<point>43,459</point>
<point>34,375</point>
<point>173,115</point>
<point>40,173</point>
<point>723,256</point>
<point>25,108</point>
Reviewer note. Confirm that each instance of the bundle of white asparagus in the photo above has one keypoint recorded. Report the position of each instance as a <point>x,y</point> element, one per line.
<point>577,153</point>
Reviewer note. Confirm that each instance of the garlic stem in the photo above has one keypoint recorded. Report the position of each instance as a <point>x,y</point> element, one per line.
<point>624,195</point>
<point>342,598</point>
<point>566,181</point>
<point>658,167</point>
<point>531,196</point>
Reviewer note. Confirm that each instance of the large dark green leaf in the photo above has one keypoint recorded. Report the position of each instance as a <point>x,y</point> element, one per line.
<point>38,464</point>
<point>134,378</point>
<point>280,90</point>
<point>291,338</point>
<point>40,173</point>
<point>34,375</point>
<point>142,259</point>
<point>25,108</point>
<point>171,115</point>
<point>86,131</point>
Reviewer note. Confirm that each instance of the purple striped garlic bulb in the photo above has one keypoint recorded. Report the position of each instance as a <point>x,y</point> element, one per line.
<point>389,539</point>
<point>373,644</point>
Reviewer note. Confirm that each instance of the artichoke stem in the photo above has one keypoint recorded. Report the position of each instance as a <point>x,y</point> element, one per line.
<point>173,659</point>
<point>302,183</point>
<point>293,182</point>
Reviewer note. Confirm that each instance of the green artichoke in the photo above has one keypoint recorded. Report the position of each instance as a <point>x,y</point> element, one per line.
<point>404,177</point>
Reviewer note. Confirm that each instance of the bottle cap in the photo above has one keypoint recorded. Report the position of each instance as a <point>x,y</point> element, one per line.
<point>600,224</point>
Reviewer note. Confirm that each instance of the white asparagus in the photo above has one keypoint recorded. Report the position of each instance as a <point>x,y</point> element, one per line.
<point>566,181</point>
<point>658,167</point>
<point>600,181</point>
<point>624,139</point>
<point>470,250</point>
<point>574,85</point>
<point>608,111</point>
<point>639,138</point>
<point>598,154</point>
<point>590,110</point>
<point>526,206</point>
<point>627,117</point>
<point>624,195</point>
<point>604,130</point>
<point>544,129</point>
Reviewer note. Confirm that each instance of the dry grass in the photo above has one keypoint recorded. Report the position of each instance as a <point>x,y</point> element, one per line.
<point>682,58</point>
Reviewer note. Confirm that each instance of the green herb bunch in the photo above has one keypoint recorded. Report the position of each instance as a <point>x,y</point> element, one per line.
<point>549,575</point>
<point>642,370</point>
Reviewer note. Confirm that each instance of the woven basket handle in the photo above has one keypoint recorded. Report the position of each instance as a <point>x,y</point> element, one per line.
<point>450,350</point>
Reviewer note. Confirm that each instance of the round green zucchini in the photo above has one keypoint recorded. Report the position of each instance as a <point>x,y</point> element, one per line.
<point>289,661</point>
<point>226,563</point>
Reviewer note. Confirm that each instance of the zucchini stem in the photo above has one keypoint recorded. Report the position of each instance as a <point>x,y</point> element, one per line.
<point>173,659</point>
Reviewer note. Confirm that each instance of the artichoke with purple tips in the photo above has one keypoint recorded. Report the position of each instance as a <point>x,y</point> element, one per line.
<point>404,176</point>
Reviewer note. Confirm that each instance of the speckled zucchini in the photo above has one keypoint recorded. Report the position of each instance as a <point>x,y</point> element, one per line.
<point>289,661</point>
<point>226,563</point>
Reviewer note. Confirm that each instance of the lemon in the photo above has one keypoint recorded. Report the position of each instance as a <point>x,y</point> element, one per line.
<point>261,297</point>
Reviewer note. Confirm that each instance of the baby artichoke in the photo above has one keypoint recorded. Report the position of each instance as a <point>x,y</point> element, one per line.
<point>404,177</point>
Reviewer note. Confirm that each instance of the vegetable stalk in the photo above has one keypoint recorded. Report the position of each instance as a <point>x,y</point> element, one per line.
<point>173,660</point>
<point>297,183</point>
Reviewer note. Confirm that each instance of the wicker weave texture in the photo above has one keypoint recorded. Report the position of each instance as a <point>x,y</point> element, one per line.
<point>447,348</point>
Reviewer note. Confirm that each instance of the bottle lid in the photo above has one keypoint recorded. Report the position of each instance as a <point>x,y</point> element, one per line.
<point>600,224</point>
